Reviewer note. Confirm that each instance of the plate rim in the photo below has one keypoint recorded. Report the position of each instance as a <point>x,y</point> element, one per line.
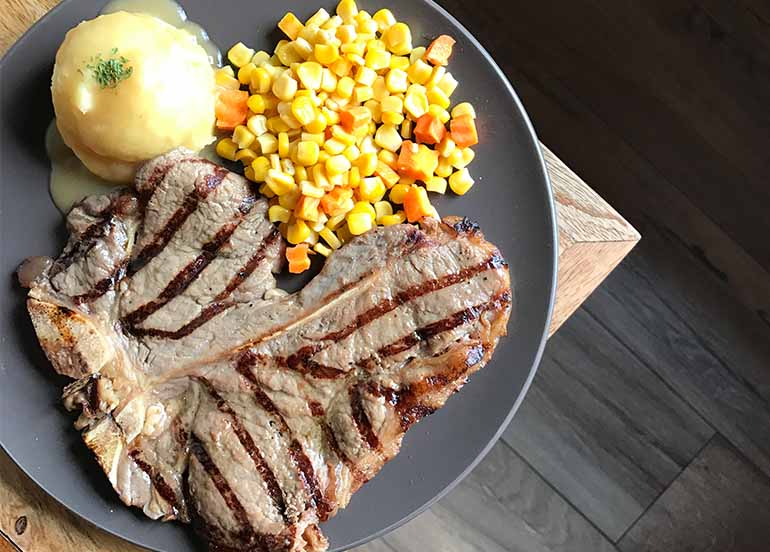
<point>554,258</point>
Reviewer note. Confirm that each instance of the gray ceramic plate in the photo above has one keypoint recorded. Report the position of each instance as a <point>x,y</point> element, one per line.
<point>511,200</point>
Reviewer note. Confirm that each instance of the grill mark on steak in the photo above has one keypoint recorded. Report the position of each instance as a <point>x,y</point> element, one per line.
<point>102,286</point>
<point>471,314</point>
<point>361,420</point>
<point>160,484</point>
<point>85,242</point>
<point>209,251</point>
<point>247,534</point>
<point>301,461</point>
<point>301,359</point>
<point>188,207</point>
<point>268,477</point>
<point>218,305</point>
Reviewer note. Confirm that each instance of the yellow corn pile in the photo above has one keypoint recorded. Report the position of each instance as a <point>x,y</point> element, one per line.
<point>329,113</point>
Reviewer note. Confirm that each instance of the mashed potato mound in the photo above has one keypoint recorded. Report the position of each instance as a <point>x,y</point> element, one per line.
<point>164,96</point>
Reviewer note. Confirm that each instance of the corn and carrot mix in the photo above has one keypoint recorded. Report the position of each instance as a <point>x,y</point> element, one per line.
<point>346,126</point>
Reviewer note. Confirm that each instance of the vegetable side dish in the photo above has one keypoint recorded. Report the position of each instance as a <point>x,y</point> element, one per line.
<point>346,126</point>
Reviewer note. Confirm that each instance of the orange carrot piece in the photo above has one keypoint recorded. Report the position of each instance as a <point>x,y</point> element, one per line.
<point>416,161</point>
<point>429,129</point>
<point>440,50</point>
<point>298,258</point>
<point>463,131</point>
<point>231,108</point>
<point>416,204</point>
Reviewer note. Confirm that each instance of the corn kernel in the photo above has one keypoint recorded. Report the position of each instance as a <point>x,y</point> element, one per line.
<point>370,111</point>
<point>303,110</point>
<point>352,153</point>
<point>290,25</point>
<point>392,103</point>
<point>287,117</point>
<point>289,200</point>
<point>389,158</point>
<point>416,103</point>
<point>283,144</point>
<point>463,108</point>
<point>287,53</point>
<point>321,249</point>
<point>448,84</point>
<point>436,184</point>
<point>281,183</point>
<point>365,76</point>
<point>346,138</point>
<point>382,209</point>
<point>347,9</point>
<point>406,129</point>
<point>303,48</point>
<point>308,189</point>
<point>390,220</point>
<point>307,208</point>
<point>318,18</point>
<point>256,103</point>
<point>380,89</point>
<point>446,146</point>
<point>437,111</point>
<point>371,189</point>
<point>461,182</point>
<point>226,148</point>
<point>384,19</point>
<point>419,72</point>
<point>318,138</point>
<point>328,236</point>
<point>317,125</point>
<point>337,164</point>
<point>244,73</point>
<point>345,87</point>
<point>362,94</point>
<point>310,74</point>
<point>239,55</point>
<point>376,59</point>
<point>276,213</point>
<point>357,47</point>
<point>356,60</point>
<point>326,53</point>
<point>444,168</point>
<point>398,39</point>
<point>268,143</point>
<point>416,53</point>
<point>307,153</point>
<point>341,67</point>
<point>275,161</point>
<point>333,146</point>
<point>437,97</point>
<point>367,163</point>
<point>257,124</point>
<point>368,27</point>
<point>260,166</point>
<point>246,156</point>
<point>298,232</point>
<point>226,70</point>
<point>389,176</point>
<point>243,137</point>
<point>358,223</point>
<point>323,156</point>
<point>260,81</point>
<point>398,192</point>
<point>464,158</point>
<point>225,80</point>
<point>392,118</point>
<point>285,87</point>
<point>396,81</point>
<point>387,137</point>
<point>260,58</point>
<point>399,62</point>
<point>346,33</point>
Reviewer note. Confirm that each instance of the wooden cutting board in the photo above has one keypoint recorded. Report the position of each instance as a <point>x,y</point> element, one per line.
<point>593,239</point>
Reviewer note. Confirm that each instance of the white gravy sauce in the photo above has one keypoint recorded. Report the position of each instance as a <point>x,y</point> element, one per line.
<point>70,181</point>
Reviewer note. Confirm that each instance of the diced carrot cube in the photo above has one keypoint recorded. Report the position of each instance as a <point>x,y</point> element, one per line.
<point>463,131</point>
<point>429,129</point>
<point>440,50</point>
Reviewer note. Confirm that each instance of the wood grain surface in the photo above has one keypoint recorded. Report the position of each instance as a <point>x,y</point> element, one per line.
<point>593,239</point>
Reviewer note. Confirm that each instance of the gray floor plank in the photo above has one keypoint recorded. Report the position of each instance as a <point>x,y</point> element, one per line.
<point>602,428</point>
<point>641,303</point>
<point>503,505</point>
<point>720,503</point>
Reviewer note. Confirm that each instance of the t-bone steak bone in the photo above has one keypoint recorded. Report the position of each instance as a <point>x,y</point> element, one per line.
<point>209,396</point>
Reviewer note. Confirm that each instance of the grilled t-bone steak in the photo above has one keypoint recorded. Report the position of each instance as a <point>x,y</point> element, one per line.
<point>209,396</point>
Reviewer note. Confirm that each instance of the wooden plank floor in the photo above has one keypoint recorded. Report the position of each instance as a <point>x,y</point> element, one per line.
<point>647,428</point>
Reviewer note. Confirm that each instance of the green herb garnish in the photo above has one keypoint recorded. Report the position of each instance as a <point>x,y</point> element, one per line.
<point>109,72</point>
